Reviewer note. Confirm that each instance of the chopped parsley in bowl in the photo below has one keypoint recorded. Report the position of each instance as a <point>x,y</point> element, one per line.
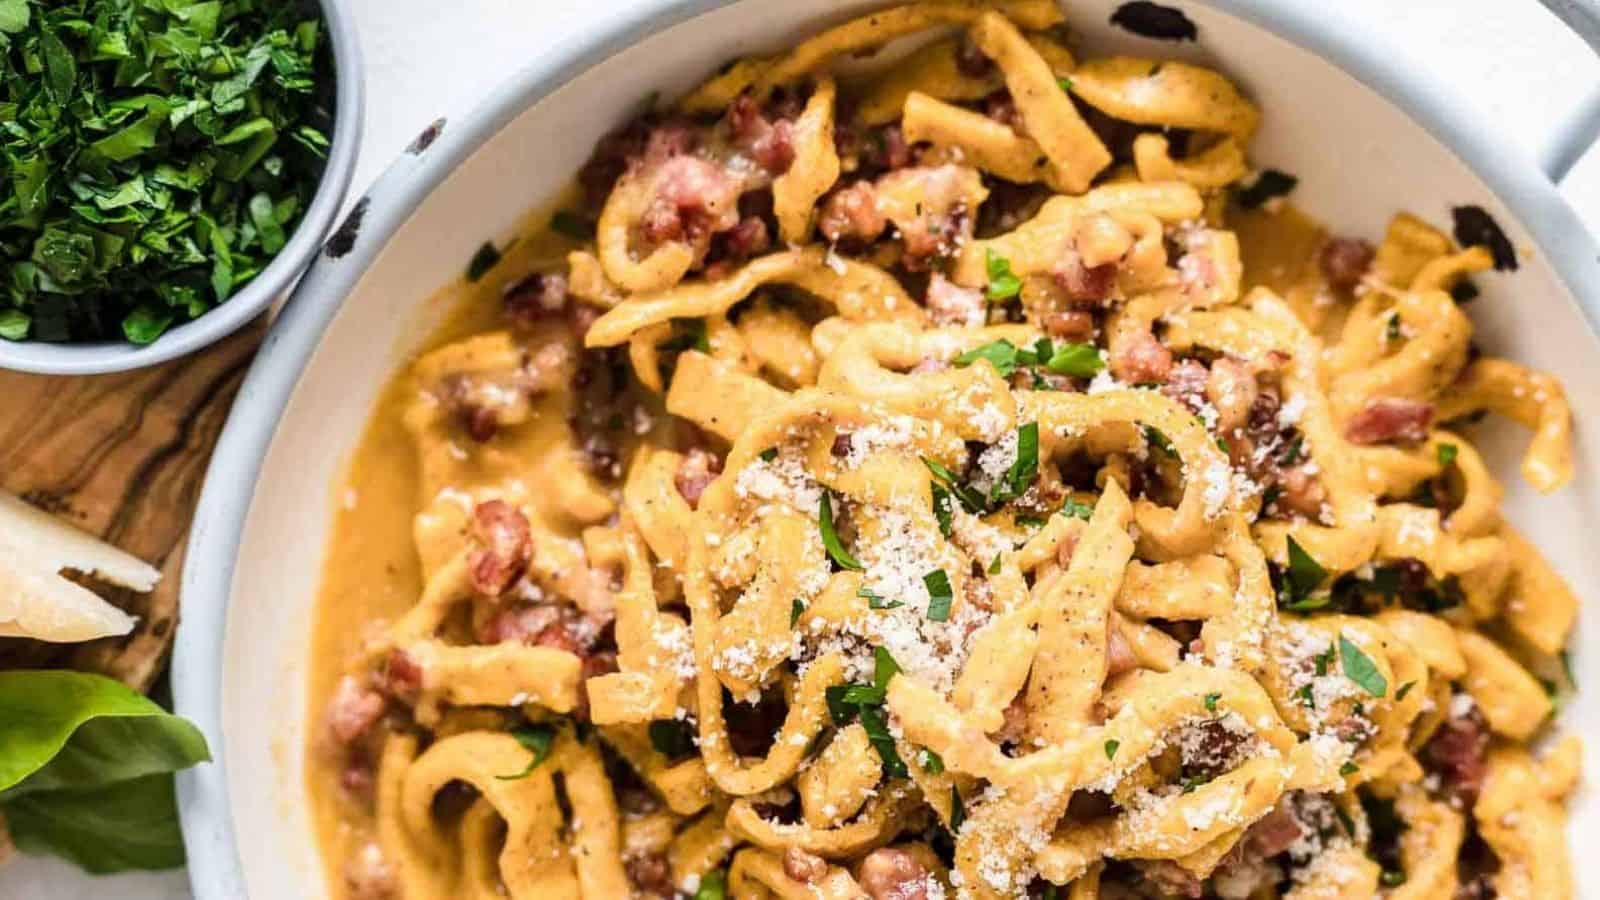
<point>155,156</point>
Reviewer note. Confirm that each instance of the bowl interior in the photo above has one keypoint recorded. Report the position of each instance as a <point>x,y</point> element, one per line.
<point>279,275</point>
<point>1359,159</point>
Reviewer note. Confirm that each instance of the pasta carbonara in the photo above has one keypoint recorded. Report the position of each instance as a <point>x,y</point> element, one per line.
<point>957,478</point>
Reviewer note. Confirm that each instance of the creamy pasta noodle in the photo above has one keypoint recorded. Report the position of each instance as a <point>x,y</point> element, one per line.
<point>959,478</point>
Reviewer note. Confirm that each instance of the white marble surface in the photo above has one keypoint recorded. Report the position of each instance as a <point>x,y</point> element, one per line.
<point>426,59</point>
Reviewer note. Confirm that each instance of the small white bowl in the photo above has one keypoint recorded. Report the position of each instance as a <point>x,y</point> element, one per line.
<point>1366,136</point>
<point>48,358</point>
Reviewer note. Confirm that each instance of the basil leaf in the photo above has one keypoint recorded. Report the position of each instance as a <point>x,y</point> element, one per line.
<point>536,739</point>
<point>1025,468</point>
<point>13,16</point>
<point>72,730</point>
<point>940,595</point>
<point>116,827</point>
<point>830,537</point>
<point>877,727</point>
<point>1360,668</point>
<point>1305,574</point>
<point>875,600</point>
<point>1111,748</point>
<point>883,668</point>
<point>1003,284</point>
<point>972,501</point>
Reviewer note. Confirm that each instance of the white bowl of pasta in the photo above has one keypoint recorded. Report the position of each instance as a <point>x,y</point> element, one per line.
<point>947,453</point>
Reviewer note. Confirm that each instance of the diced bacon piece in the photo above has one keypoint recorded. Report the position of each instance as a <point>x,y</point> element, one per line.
<point>1000,107</point>
<point>401,676</point>
<point>1119,655</point>
<point>1303,492</point>
<point>1456,751</point>
<point>699,468</point>
<point>1344,261</point>
<point>1074,325</point>
<point>1081,283</point>
<point>358,780</point>
<point>650,874</point>
<point>802,866</point>
<point>1144,360</point>
<point>1186,383</point>
<point>538,297</point>
<point>851,213</point>
<point>971,61</point>
<point>505,547</point>
<point>694,199</point>
<point>353,710</point>
<point>1171,879</point>
<point>889,873</point>
<point>951,304</point>
<point>769,143</point>
<point>1274,832</point>
<point>1390,419</point>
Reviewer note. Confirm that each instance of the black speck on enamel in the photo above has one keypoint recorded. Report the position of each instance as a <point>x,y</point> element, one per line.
<point>1476,228</point>
<point>1153,20</point>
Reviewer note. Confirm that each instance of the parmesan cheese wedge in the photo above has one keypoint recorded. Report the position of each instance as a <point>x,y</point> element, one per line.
<point>36,601</point>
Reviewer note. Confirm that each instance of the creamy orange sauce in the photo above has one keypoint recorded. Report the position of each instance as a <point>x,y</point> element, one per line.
<point>372,573</point>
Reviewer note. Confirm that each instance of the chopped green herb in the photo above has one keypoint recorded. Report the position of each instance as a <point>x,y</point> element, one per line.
<point>154,158</point>
<point>875,600</point>
<point>713,886</point>
<point>1345,821</point>
<point>941,509</point>
<point>1566,667</point>
<point>1155,438</point>
<point>688,334</point>
<point>1404,690</point>
<point>994,567</point>
<point>1391,333</point>
<point>536,739</point>
<point>1003,284</point>
<point>1359,667</point>
<point>1065,83</point>
<point>1192,782</point>
<point>830,537</point>
<point>1291,454</point>
<point>1305,696</point>
<point>958,809</point>
<point>1077,360</point>
<point>883,667</point>
<point>1447,454</point>
<point>1111,748</point>
<point>795,609</point>
<point>769,454</point>
<point>972,501</point>
<point>1323,661</point>
<point>877,728</point>
<point>485,259</point>
<point>671,738</point>
<point>1392,878</point>
<point>939,595</point>
<point>1349,768</point>
<point>1303,576</point>
<point>932,763</point>
<point>572,225</point>
<point>1211,701</point>
<point>1002,354</point>
<point>1072,509</point>
<point>1271,183</point>
<point>1024,469</point>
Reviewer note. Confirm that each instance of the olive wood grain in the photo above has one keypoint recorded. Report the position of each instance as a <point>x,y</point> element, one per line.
<point>121,456</point>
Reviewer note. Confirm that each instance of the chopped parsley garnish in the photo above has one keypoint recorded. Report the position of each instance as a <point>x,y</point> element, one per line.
<point>487,257</point>
<point>769,454</point>
<point>1191,782</point>
<point>1305,696</point>
<point>1077,360</point>
<point>932,763</point>
<point>1392,878</point>
<point>877,727</point>
<point>1447,454</point>
<point>1323,661</point>
<point>671,738</point>
<point>883,667</point>
<point>1155,438</point>
<point>994,567</point>
<point>1111,748</point>
<point>1211,701</point>
<point>536,739</point>
<point>830,537</point>
<point>1359,667</point>
<point>1024,469</point>
<point>1003,284</point>
<point>1271,183</point>
<point>1404,690</point>
<point>941,509</point>
<point>1391,332</point>
<point>939,595</point>
<point>1065,84</point>
<point>155,157</point>
<point>688,334</point>
<point>1291,453</point>
<point>1304,575</point>
<point>713,886</point>
<point>795,609</point>
<point>1072,509</point>
<point>958,809</point>
<point>971,500</point>
<point>876,600</point>
<point>1349,768</point>
<point>1002,354</point>
<point>572,225</point>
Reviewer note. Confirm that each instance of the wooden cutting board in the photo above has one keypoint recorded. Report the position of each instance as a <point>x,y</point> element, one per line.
<point>121,456</point>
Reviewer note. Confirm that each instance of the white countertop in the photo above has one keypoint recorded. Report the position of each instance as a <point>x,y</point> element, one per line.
<point>426,59</point>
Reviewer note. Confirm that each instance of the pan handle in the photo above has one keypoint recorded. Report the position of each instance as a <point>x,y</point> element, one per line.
<point>1579,130</point>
